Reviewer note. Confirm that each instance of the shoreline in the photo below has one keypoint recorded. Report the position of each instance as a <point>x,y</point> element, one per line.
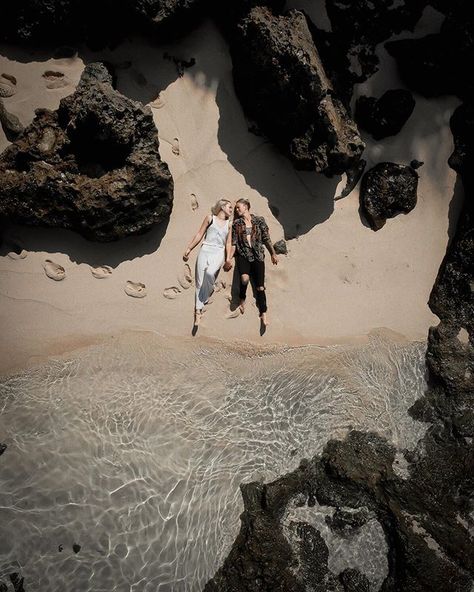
<point>69,346</point>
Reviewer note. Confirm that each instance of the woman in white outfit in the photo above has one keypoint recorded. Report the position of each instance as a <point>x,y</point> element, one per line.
<point>213,252</point>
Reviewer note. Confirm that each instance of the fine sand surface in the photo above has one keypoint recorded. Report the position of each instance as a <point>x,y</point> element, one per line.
<point>339,281</point>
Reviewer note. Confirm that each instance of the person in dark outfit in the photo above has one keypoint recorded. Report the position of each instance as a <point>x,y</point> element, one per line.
<point>249,236</point>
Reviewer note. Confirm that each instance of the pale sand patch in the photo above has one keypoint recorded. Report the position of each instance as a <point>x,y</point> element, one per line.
<point>339,280</point>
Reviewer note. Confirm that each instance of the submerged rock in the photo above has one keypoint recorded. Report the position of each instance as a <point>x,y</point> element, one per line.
<point>384,116</point>
<point>282,85</point>
<point>92,166</point>
<point>386,190</point>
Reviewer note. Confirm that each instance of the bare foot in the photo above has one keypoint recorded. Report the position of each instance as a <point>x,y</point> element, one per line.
<point>242,306</point>
<point>263,319</point>
<point>197,317</point>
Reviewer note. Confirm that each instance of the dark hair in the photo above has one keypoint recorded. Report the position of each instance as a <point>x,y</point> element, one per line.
<point>243,201</point>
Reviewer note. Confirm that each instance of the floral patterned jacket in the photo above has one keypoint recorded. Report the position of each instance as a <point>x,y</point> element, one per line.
<point>259,238</point>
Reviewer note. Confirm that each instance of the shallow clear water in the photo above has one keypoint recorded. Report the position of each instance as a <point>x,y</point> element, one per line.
<point>135,449</point>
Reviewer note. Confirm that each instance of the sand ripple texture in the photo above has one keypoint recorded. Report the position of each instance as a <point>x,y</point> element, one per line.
<point>135,449</point>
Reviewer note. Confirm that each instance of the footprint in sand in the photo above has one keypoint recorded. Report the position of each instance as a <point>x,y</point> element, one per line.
<point>158,103</point>
<point>220,285</point>
<point>135,289</point>
<point>171,292</point>
<point>55,79</point>
<point>17,251</point>
<point>102,272</point>
<point>194,202</point>
<point>20,254</point>
<point>186,278</point>
<point>53,270</point>
<point>175,147</point>
<point>233,314</point>
<point>7,86</point>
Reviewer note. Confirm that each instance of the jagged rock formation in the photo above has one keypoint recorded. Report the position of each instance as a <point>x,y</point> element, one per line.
<point>386,190</point>
<point>49,22</point>
<point>282,85</point>
<point>357,26</point>
<point>435,65</point>
<point>384,116</point>
<point>92,166</point>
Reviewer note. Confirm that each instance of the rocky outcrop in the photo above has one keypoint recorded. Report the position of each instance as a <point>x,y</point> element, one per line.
<point>386,190</point>
<point>384,116</point>
<point>282,85</point>
<point>92,166</point>
<point>357,27</point>
<point>436,64</point>
<point>50,22</point>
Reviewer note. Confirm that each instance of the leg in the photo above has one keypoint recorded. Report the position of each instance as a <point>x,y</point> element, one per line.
<point>258,270</point>
<point>214,262</point>
<point>201,265</point>
<point>244,272</point>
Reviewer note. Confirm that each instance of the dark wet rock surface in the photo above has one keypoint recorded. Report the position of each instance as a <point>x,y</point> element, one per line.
<point>384,116</point>
<point>354,581</point>
<point>92,166</point>
<point>282,85</point>
<point>386,190</point>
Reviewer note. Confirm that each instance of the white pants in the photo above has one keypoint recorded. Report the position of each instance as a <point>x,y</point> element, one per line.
<point>208,264</point>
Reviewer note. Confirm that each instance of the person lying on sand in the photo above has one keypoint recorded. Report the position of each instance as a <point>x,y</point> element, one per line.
<point>249,235</point>
<point>212,254</point>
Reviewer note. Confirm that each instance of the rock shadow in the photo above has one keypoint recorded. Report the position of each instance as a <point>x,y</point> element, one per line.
<point>79,249</point>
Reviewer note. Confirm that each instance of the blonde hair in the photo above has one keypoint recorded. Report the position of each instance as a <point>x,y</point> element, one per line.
<point>219,205</point>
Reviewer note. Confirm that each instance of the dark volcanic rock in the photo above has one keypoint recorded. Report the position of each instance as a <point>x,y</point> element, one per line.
<point>11,125</point>
<point>352,178</point>
<point>386,190</point>
<point>354,581</point>
<point>347,521</point>
<point>92,166</point>
<point>282,85</point>
<point>436,64</point>
<point>357,26</point>
<point>49,22</point>
<point>280,247</point>
<point>3,447</point>
<point>384,116</point>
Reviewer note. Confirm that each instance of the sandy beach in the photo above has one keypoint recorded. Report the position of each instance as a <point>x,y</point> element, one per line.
<point>340,280</point>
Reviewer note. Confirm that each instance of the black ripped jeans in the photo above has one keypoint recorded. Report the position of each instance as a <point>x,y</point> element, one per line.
<point>256,271</point>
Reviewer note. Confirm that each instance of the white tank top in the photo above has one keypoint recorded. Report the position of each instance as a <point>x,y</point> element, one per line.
<point>216,235</point>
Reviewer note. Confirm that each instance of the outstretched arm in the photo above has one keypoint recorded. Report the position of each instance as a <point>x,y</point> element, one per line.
<point>268,243</point>
<point>197,237</point>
